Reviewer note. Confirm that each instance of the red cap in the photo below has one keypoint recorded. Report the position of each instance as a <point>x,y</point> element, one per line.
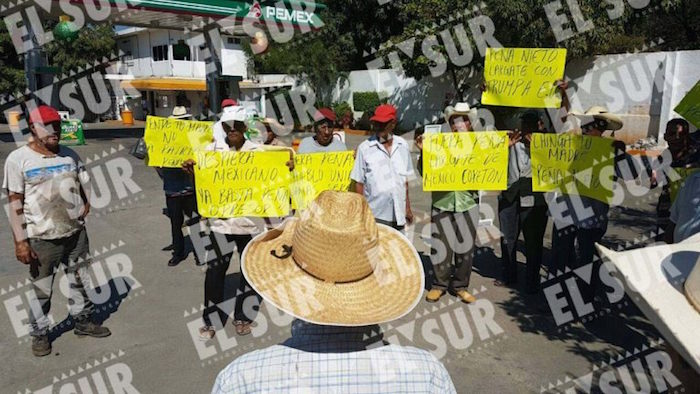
<point>327,114</point>
<point>44,114</point>
<point>384,113</point>
<point>228,103</point>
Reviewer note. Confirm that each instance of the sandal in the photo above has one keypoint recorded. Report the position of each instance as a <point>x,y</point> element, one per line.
<point>242,327</point>
<point>206,333</point>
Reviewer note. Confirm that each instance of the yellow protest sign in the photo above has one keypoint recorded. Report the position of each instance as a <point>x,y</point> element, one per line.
<point>316,172</point>
<point>172,141</point>
<point>573,164</point>
<point>523,77</point>
<point>465,161</point>
<point>233,184</point>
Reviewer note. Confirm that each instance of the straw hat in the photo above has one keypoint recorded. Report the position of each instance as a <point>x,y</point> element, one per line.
<point>179,112</point>
<point>598,112</point>
<point>334,265</point>
<point>459,109</point>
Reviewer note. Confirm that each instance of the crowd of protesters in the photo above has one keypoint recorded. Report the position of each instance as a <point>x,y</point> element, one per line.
<point>48,229</point>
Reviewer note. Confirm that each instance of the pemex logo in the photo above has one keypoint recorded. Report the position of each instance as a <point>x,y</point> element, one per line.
<point>255,11</point>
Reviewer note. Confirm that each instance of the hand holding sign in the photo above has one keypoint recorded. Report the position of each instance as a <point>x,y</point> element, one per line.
<point>170,142</point>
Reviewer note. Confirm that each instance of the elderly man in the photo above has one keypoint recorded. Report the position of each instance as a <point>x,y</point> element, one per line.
<point>454,216</point>
<point>338,300</point>
<point>48,204</point>
<point>382,169</point>
<point>323,141</point>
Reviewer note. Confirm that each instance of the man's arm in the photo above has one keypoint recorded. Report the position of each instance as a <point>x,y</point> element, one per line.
<point>23,251</point>
<point>409,213</point>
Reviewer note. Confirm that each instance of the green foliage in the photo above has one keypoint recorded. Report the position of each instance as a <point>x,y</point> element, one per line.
<point>12,78</point>
<point>341,108</point>
<point>365,101</point>
<point>93,42</point>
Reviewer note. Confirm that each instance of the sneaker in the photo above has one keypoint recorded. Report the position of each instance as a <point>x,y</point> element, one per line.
<point>465,296</point>
<point>434,295</point>
<point>91,329</point>
<point>41,346</point>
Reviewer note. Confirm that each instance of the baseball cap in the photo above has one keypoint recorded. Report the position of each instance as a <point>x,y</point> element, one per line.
<point>384,113</point>
<point>328,114</point>
<point>228,103</point>
<point>44,114</point>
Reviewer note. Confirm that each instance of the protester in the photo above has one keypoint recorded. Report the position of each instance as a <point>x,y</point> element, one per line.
<point>46,186</point>
<point>228,103</point>
<point>521,209</point>
<point>684,151</point>
<point>179,200</point>
<point>454,217</point>
<point>323,140</point>
<point>685,211</point>
<point>373,276</point>
<point>382,168</point>
<point>226,232</point>
<point>574,235</point>
<point>271,138</point>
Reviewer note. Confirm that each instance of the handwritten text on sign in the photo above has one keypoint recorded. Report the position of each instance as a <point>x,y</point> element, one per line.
<point>465,161</point>
<point>523,77</point>
<point>316,172</point>
<point>172,141</point>
<point>573,164</point>
<point>233,184</point>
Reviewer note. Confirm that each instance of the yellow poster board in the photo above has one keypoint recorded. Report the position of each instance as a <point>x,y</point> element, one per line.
<point>172,141</point>
<point>234,184</point>
<point>465,161</point>
<point>316,172</point>
<point>573,164</point>
<point>523,77</point>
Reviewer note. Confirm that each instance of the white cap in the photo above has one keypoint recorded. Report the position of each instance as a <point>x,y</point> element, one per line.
<point>236,114</point>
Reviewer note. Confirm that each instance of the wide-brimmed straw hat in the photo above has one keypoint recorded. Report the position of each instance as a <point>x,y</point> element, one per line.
<point>334,265</point>
<point>180,112</point>
<point>597,112</point>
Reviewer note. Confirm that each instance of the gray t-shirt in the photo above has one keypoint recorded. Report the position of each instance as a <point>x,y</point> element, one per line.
<point>309,145</point>
<point>51,188</point>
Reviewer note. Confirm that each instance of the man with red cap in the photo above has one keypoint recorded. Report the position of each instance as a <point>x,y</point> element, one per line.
<point>382,169</point>
<point>45,183</point>
<point>323,141</point>
<point>228,103</point>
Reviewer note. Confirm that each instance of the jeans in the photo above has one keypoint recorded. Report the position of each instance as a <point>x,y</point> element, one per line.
<point>453,255</point>
<point>72,252</point>
<point>216,276</point>
<point>574,247</point>
<point>533,222</point>
<point>178,207</point>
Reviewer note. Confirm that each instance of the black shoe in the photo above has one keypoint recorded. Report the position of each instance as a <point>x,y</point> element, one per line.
<point>169,247</point>
<point>89,328</point>
<point>175,260</point>
<point>41,346</point>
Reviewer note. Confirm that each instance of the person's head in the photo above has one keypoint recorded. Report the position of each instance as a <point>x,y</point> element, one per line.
<point>45,125</point>
<point>459,117</point>
<point>324,126</point>
<point>234,125</point>
<point>228,103</point>
<point>597,120</point>
<point>384,122</point>
<point>349,285</point>
<point>418,135</point>
<point>541,127</point>
<point>529,121</point>
<point>677,135</point>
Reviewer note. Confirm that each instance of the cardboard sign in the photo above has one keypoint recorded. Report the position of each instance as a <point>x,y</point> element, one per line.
<point>689,107</point>
<point>234,184</point>
<point>465,161</point>
<point>316,172</point>
<point>523,77</point>
<point>172,141</point>
<point>573,164</point>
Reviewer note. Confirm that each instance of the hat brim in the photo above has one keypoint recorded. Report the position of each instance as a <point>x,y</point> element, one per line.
<point>393,289</point>
<point>468,114</point>
<point>614,123</point>
<point>180,116</point>
<point>381,119</point>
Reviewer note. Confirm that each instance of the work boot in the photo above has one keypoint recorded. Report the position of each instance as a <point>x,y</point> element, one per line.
<point>88,328</point>
<point>465,296</point>
<point>434,295</point>
<point>41,346</point>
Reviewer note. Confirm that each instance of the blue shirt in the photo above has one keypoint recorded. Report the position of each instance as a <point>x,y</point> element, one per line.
<point>384,177</point>
<point>330,359</point>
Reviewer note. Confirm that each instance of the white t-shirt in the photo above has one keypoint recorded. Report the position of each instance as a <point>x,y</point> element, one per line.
<point>310,145</point>
<point>51,188</point>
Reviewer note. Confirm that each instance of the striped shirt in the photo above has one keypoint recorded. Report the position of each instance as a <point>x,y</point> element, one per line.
<point>329,359</point>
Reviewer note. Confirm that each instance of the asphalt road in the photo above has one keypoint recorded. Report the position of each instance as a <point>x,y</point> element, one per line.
<point>509,342</point>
